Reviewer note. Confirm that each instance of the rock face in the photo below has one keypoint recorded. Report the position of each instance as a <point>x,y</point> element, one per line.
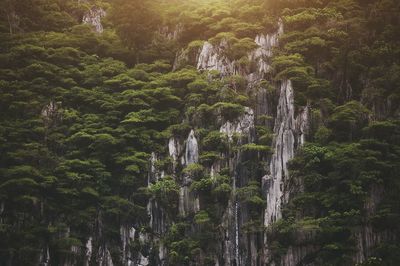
<point>212,57</point>
<point>289,134</point>
<point>289,131</point>
<point>93,17</point>
<point>242,126</point>
<point>192,149</point>
<point>265,42</point>
<point>239,247</point>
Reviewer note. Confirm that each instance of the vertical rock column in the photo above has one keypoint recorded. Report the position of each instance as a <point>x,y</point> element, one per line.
<point>289,132</point>
<point>188,202</point>
<point>284,146</point>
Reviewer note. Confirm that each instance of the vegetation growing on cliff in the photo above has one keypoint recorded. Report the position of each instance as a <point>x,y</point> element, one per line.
<point>81,113</point>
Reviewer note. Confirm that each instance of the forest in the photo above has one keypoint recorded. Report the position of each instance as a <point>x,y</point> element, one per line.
<point>199,132</point>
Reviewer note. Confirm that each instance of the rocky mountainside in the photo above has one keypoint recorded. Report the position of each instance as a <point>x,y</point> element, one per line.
<point>176,132</point>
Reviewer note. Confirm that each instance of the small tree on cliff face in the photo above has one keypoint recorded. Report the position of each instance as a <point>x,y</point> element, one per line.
<point>135,21</point>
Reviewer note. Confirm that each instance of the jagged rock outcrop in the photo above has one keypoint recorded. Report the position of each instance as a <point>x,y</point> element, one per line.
<point>188,201</point>
<point>242,126</point>
<point>289,135</point>
<point>93,17</point>
<point>192,149</point>
<point>212,57</point>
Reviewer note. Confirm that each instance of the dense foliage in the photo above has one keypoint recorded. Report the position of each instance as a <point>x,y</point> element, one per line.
<point>81,112</point>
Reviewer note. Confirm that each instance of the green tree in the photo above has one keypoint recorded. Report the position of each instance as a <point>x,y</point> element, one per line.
<point>136,22</point>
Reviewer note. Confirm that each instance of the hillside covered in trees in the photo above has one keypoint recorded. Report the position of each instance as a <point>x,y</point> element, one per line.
<point>199,132</point>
